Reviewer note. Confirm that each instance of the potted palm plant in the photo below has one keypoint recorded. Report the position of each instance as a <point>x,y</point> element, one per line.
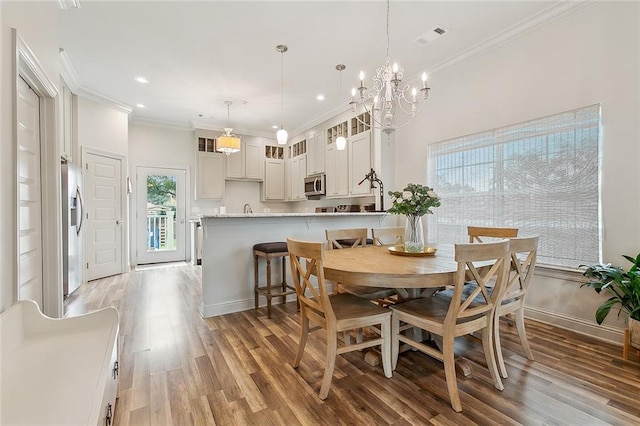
<point>623,289</point>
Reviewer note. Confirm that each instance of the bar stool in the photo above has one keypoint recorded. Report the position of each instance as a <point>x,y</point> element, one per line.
<point>270,251</point>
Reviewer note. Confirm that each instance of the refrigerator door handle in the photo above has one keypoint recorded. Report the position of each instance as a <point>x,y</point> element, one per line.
<point>79,195</point>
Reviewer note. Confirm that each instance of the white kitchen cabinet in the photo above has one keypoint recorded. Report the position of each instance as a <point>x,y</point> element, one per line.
<point>297,173</point>
<point>249,162</point>
<point>316,148</point>
<point>274,181</point>
<point>210,167</point>
<point>337,172</point>
<point>360,163</point>
<point>210,176</point>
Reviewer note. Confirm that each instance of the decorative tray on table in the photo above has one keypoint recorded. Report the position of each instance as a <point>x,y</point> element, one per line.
<point>399,251</point>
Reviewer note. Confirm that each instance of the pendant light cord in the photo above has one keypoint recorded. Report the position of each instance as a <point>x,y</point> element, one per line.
<point>281,87</point>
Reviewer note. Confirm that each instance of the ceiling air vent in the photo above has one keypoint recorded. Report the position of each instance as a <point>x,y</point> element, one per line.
<point>431,35</point>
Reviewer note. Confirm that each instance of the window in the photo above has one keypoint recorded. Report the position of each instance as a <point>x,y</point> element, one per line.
<point>540,176</point>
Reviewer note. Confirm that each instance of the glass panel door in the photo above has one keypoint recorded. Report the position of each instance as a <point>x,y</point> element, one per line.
<point>161,215</point>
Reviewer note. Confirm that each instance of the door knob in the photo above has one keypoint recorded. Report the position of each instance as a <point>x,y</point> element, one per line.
<point>118,222</point>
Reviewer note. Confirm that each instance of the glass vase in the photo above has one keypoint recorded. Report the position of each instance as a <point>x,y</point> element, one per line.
<point>413,234</point>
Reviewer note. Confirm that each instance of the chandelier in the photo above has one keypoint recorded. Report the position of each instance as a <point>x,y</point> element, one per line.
<point>228,142</point>
<point>390,104</point>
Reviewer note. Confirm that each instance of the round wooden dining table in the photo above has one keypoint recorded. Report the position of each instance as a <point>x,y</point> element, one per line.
<point>376,266</point>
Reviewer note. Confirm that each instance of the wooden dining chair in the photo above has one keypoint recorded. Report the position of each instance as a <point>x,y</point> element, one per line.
<point>476,233</point>
<point>458,315</point>
<point>335,313</point>
<point>392,235</point>
<point>343,238</point>
<point>523,252</point>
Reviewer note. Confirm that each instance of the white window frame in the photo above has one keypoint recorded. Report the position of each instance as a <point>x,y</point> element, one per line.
<point>512,176</point>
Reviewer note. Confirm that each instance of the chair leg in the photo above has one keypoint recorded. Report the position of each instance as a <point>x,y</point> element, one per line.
<point>448,358</point>
<point>385,329</point>
<point>359,335</point>
<point>490,356</point>
<point>268,287</point>
<point>304,333</point>
<point>330,363</point>
<point>284,280</point>
<point>498,346</point>
<point>347,337</point>
<point>522,333</point>
<point>625,345</point>
<point>395,341</point>
<point>255,277</point>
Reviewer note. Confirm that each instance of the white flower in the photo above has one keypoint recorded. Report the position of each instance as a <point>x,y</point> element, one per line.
<point>432,194</point>
<point>407,195</point>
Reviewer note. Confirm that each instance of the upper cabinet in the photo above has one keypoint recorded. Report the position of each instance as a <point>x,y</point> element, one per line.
<point>297,170</point>
<point>248,164</point>
<point>274,174</point>
<point>336,163</point>
<point>316,148</point>
<point>360,163</point>
<point>210,167</point>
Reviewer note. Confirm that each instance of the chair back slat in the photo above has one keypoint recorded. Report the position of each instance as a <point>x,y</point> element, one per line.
<point>487,262</point>
<point>392,235</point>
<point>306,259</point>
<point>476,233</point>
<point>335,238</point>
<point>523,255</point>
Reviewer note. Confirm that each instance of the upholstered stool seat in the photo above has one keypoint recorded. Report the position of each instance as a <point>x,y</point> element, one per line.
<point>270,251</point>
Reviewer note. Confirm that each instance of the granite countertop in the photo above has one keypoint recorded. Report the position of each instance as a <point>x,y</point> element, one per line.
<point>312,214</point>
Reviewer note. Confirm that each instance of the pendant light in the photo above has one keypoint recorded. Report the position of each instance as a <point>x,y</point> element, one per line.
<point>228,142</point>
<point>341,142</point>
<point>282,134</point>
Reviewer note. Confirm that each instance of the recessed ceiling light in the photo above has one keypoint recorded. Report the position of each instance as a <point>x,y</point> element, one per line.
<point>140,105</point>
<point>275,126</point>
<point>142,80</point>
<point>320,97</point>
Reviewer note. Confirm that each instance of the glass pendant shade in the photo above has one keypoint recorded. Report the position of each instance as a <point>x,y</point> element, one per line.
<point>341,143</point>
<point>282,136</point>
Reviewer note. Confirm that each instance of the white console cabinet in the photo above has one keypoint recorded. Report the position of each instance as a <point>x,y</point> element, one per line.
<point>58,371</point>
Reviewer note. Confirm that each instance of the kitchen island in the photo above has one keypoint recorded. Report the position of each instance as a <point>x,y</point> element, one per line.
<point>227,255</point>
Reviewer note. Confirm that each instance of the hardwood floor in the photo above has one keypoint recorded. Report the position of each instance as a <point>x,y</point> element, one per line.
<point>180,369</point>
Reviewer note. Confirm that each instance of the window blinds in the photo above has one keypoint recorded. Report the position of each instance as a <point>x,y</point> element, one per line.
<point>540,176</point>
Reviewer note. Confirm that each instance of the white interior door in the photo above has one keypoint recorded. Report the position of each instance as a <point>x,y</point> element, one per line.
<point>105,231</point>
<point>29,195</point>
<point>160,213</point>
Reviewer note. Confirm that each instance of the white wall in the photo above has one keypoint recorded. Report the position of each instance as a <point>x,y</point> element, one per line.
<point>37,26</point>
<point>102,127</point>
<point>588,58</point>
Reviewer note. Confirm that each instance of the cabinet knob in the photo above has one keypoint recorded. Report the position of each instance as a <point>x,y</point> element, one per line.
<point>115,370</point>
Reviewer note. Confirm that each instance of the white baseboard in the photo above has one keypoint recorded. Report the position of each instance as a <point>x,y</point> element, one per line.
<point>604,332</point>
<point>243,305</point>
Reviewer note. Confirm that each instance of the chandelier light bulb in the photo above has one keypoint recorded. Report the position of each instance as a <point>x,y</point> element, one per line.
<point>413,93</point>
<point>353,92</point>
<point>424,80</point>
<point>394,68</point>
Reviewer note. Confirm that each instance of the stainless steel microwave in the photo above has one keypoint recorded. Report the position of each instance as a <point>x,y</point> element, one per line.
<point>314,185</point>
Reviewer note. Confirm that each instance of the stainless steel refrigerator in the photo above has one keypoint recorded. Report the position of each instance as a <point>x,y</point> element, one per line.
<point>72,216</point>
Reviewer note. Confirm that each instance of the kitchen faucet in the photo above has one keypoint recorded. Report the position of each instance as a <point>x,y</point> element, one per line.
<point>247,208</point>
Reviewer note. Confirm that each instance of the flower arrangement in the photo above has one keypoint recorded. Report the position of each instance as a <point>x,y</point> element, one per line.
<point>414,200</point>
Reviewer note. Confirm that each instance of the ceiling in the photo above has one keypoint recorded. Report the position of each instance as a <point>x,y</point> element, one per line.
<point>197,55</point>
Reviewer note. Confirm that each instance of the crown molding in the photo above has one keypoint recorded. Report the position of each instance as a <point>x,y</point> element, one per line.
<point>544,18</point>
<point>173,125</point>
<point>103,99</point>
<point>68,72</point>
<point>206,125</point>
